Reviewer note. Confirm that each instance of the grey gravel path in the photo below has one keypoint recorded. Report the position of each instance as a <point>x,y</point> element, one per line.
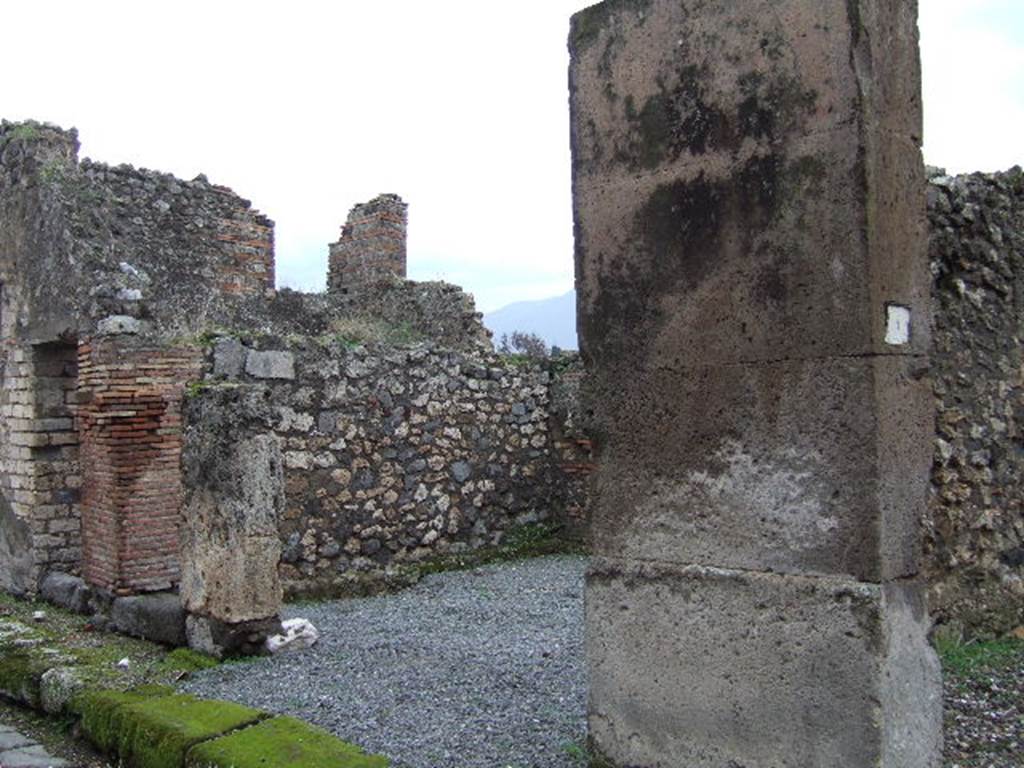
<point>474,669</point>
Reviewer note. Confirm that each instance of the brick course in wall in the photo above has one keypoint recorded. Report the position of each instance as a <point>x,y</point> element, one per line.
<point>130,423</point>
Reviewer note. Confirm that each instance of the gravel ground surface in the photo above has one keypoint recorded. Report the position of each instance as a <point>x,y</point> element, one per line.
<point>984,723</point>
<point>471,669</point>
<point>484,669</point>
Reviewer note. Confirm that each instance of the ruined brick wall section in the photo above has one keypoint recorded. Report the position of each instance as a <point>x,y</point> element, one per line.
<point>392,454</point>
<point>975,530</point>
<point>372,245</point>
<point>130,425</point>
<point>248,238</point>
<point>101,245</point>
<point>187,250</point>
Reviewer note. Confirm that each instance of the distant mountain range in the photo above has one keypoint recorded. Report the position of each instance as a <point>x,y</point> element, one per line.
<point>554,320</point>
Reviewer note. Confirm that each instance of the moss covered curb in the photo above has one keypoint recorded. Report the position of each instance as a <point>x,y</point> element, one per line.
<point>58,664</point>
<point>157,731</point>
<point>157,728</point>
<point>282,742</point>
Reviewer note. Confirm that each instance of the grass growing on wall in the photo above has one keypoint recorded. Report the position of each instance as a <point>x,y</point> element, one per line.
<point>357,330</point>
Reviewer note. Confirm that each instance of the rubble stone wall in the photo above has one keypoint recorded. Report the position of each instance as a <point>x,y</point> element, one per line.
<point>975,525</point>
<point>426,311</point>
<point>392,454</point>
<point>89,249</point>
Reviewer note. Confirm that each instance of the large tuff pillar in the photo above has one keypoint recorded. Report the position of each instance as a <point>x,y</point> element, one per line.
<point>234,499</point>
<point>753,307</point>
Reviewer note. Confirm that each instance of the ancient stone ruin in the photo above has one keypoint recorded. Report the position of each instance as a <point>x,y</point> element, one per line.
<point>772,370</point>
<point>754,300</point>
<point>170,421</point>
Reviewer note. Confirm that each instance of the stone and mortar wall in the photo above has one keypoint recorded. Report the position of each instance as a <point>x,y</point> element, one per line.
<point>391,454</point>
<point>975,526</point>
<point>124,257</point>
<point>570,440</point>
<point>90,253</point>
<point>429,311</point>
<point>90,248</point>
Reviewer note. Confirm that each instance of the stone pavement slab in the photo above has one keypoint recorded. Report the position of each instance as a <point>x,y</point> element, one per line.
<point>18,751</point>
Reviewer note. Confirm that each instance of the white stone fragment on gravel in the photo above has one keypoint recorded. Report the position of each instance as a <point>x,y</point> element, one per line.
<point>298,634</point>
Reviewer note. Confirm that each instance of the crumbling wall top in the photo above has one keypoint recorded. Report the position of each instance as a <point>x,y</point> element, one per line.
<point>87,248</point>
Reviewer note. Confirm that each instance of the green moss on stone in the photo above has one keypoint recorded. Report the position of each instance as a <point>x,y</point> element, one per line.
<point>20,674</point>
<point>187,660</point>
<point>282,742</point>
<point>587,24</point>
<point>101,713</point>
<point>23,132</point>
<point>151,729</point>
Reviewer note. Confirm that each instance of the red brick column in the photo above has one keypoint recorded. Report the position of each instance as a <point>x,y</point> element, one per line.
<point>130,429</point>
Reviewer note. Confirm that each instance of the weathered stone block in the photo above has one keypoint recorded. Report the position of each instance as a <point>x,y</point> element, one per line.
<point>16,551</point>
<point>719,182</point>
<point>663,85</point>
<point>753,301</point>
<point>116,325</point>
<point>230,543</point>
<point>57,686</point>
<point>229,358</point>
<point>157,617</point>
<point>765,670</point>
<point>808,466</point>
<point>67,591</point>
<point>270,365</point>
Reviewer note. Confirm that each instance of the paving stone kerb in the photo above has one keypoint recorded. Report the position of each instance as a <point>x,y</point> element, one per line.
<point>749,211</point>
<point>159,729</point>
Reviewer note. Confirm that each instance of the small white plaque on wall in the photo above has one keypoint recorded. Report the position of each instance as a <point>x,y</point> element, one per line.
<point>897,325</point>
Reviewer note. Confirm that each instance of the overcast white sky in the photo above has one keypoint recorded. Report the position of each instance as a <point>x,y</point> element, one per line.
<point>459,106</point>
